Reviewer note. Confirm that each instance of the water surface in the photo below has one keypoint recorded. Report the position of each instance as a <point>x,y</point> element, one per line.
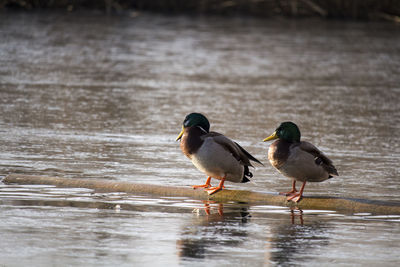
<point>48,226</point>
<point>88,96</point>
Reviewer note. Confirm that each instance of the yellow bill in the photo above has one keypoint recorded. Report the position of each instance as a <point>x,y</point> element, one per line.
<point>180,134</point>
<point>271,137</point>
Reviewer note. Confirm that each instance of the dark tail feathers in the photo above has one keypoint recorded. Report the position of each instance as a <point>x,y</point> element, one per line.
<point>248,154</point>
<point>246,175</point>
<point>328,166</point>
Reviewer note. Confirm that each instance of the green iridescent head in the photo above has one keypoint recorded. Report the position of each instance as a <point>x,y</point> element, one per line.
<point>195,119</point>
<point>287,131</point>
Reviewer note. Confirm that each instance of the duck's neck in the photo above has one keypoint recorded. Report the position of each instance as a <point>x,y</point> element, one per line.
<point>191,140</point>
<point>279,152</point>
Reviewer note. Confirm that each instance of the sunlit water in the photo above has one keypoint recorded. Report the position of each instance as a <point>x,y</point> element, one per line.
<point>48,226</point>
<point>88,96</point>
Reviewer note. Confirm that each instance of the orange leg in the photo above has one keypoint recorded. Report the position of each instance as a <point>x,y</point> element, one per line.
<point>207,207</point>
<point>213,190</point>
<point>293,215</point>
<point>297,196</point>
<point>206,185</point>
<point>221,209</point>
<point>292,192</point>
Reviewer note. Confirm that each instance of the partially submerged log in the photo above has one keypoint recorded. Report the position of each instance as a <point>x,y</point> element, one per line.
<point>347,205</point>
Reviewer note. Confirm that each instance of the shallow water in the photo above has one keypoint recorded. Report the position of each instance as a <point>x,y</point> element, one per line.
<point>88,96</point>
<point>47,226</point>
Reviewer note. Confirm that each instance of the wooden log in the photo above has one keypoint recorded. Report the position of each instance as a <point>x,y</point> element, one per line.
<point>346,205</point>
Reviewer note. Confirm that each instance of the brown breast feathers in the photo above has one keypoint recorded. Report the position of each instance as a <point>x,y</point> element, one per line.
<point>278,153</point>
<point>191,140</point>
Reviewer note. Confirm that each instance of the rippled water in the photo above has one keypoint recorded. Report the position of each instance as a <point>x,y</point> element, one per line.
<point>88,96</point>
<point>48,226</point>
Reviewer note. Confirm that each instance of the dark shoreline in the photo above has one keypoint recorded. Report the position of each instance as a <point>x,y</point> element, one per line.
<point>388,10</point>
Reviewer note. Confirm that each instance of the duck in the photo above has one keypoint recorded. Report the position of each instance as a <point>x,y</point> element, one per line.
<point>296,159</point>
<point>213,153</point>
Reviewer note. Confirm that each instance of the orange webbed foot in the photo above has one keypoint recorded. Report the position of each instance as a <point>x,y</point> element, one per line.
<point>213,190</point>
<point>201,186</point>
<point>206,185</point>
<point>289,193</point>
<point>295,197</point>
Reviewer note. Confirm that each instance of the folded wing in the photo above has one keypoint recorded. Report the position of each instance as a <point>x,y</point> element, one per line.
<point>319,157</point>
<point>239,153</point>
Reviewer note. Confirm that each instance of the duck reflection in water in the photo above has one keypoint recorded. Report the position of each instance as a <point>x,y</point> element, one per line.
<point>291,241</point>
<point>225,233</point>
<point>217,227</point>
<point>208,209</point>
<point>296,212</point>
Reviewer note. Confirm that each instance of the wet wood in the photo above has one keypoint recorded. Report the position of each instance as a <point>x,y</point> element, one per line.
<point>346,205</point>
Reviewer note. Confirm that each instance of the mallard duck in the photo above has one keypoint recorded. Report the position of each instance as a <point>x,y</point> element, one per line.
<point>213,153</point>
<point>298,160</point>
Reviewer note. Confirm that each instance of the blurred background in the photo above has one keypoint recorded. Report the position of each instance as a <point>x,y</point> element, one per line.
<point>344,9</point>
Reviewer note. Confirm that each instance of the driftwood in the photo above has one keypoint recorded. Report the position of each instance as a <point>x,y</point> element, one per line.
<point>346,205</point>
